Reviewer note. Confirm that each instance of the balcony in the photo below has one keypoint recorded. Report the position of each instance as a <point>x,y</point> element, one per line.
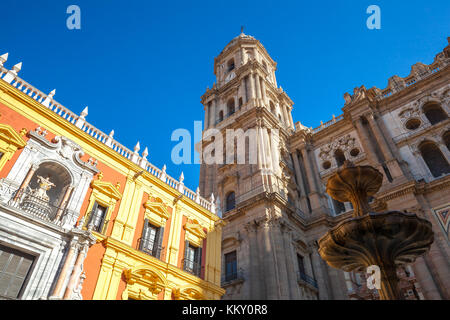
<point>29,204</point>
<point>192,267</point>
<point>232,278</point>
<point>305,279</point>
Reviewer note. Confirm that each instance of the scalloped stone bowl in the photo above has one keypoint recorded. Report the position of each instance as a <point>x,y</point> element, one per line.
<point>388,240</point>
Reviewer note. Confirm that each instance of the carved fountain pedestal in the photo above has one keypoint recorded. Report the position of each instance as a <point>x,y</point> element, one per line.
<point>387,240</point>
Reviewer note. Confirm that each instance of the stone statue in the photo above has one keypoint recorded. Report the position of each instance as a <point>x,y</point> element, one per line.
<point>44,185</point>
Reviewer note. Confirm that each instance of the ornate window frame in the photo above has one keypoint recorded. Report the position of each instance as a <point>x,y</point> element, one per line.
<point>156,212</point>
<point>10,141</point>
<point>194,233</point>
<point>105,194</point>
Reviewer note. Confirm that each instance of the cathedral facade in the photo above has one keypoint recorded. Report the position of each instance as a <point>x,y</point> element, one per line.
<point>273,199</point>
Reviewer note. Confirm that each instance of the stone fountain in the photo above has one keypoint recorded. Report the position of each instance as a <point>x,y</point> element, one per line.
<point>387,239</point>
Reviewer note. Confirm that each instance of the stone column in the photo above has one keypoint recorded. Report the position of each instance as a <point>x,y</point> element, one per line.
<point>285,114</point>
<point>320,186</point>
<point>338,285</point>
<point>379,137</point>
<point>174,236</point>
<point>25,182</point>
<point>207,116</point>
<point>258,87</point>
<point>300,182</point>
<point>368,148</point>
<point>292,280</point>
<point>274,142</point>
<point>263,91</point>
<point>425,280</point>
<point>267,150</point>
<point>441,269</point>
<point>291,122</point>
<point>212,117</point>
<point>243,91</point>
<point>252,86</point>
<point>253,269</point>
<point>63,204</point>
<point>259,147</point>
<point>117,271</point>
<point>73,281</point>
<point>314,195</point>
<point>277,243</point>
<point>391,162</point>
<point>270,275</point>
<point>319,273</point>
<point>57,292</point>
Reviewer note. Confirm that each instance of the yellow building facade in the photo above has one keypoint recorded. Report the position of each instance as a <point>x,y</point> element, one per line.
<point>124,230</point>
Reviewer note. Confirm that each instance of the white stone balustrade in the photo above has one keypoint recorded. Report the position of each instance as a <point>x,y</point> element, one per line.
<point>47,100</point>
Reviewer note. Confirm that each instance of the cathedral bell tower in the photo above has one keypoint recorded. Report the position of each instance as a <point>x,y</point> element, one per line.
<point>248,169</point>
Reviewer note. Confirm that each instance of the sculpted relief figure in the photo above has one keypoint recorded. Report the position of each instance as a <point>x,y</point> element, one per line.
<point>44,185</point>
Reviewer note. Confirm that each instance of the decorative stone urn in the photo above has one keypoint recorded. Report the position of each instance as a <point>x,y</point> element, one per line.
<point>387,240</point>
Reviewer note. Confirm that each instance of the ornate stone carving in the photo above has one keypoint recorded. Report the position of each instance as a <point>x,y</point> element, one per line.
<point>395,83</point>
<point>387,240</point>
<point>345,143</point>
<point>420,70</point>
<point>358,94</point>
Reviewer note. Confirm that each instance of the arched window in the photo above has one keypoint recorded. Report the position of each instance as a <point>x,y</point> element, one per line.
<point>446,138</point>
<point>230,106</point>
<point>240,102</point>
<point>434,159</point>
<point>434,113</point>
<point>221,115</point>
<point>230,201</point>
<point>230,65</point>
<point>340,157</point>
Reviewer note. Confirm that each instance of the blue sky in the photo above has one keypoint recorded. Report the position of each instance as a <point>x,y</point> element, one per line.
<point>141,66</point>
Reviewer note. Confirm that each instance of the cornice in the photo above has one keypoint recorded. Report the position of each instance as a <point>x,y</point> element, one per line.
<point>164,267</point>
<point>64,128</point>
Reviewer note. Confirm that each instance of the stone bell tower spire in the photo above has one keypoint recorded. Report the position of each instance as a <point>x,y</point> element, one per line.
<point>247,124</point>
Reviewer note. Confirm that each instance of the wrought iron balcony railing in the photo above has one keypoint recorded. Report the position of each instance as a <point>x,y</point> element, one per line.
<point>101,228</point>
<point>302,277</point>
<point>192,267</point>
<point>150,247</point>
<point>229,278</point>
<point>26,202</point>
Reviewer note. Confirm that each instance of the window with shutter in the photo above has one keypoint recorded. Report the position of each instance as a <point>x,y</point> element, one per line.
<point>151,239</point>
<point>97,217</point>
<point>192,259</point>
<point>15,267</point>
